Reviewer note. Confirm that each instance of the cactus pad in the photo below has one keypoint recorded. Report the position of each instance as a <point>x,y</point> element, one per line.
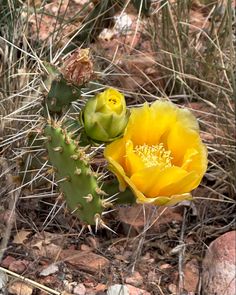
<point>75,178</point>
<point>61,94</point>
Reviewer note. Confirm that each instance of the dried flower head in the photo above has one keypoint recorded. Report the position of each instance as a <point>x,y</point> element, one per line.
<point>78,68</point>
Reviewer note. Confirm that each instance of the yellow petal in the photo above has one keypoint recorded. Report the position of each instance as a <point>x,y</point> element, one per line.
<point>116,151</point>
<point>133,162</point>
<point>119,172</point>
<point>148,124</point>
<point>154,181</point>
<point>187,149</point>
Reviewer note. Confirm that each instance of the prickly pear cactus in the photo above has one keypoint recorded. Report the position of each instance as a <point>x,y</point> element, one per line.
<point>75,178</point>
<point>65,84</point>
<point>61,94</point>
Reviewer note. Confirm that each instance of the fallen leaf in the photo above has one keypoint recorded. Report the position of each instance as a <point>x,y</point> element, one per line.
<point>21,236</point>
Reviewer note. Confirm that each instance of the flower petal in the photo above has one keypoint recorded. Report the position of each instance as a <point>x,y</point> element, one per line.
<point>147,124</point>
<point>187,149</point>
<point>154,181</point>
<point>116,151</point>
<point>133,162</point>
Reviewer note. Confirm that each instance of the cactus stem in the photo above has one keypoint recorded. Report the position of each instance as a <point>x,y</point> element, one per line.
<point>88,198</point>
<point>77,171</point>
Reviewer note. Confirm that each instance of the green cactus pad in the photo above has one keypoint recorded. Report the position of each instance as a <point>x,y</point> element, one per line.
<point>61,94</point>
<point>76,180</point>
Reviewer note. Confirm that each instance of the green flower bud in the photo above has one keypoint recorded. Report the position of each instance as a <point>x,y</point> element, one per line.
<point>105,116</point>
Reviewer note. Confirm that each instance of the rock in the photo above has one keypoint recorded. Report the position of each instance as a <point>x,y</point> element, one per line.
<point>86,261</point>
<point>80,290</point>
<point>7,261</point>
<point>118,290</point>
<point>50,269</point>
<point>3,282</point>
<point>19,266</point>
<point>20,288</point>
<point>136,291</point>
<point>219,266</point>
<point>85,248</point>
<point>160,217</point>
<point>135,279</point>
<point>172,288</point>
<point>191,276</point>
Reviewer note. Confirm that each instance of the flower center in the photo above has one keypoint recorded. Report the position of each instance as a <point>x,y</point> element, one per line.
<point>155,155</point>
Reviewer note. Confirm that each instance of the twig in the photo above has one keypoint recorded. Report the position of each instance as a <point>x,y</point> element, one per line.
<point>14,195</point>
<point>33,283</point>
<point>181,255</point>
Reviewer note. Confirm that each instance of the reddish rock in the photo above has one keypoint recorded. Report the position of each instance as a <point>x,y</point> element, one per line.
<point>86,261</point>
<point>19,266</point>
<point>7,261</point>
<point>191,276</point>
<point>156,217</point>
<point>80,290</point>
<point>135,279</point>
<point>136,291</point>
<point>219,266</point>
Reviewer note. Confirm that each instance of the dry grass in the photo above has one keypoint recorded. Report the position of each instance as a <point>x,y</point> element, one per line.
<point>190,51</point>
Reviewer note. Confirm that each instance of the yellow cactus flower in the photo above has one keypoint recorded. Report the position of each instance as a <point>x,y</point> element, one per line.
<point>105,116</point>
<point>161,156</point>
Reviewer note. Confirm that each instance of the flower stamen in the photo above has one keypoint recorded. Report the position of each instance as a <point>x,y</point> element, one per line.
<point>154,155</point>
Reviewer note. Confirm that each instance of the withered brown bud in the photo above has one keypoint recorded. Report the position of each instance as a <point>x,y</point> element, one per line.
<point>78,68</point>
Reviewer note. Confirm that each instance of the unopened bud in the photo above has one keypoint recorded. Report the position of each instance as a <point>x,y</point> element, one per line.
<point>105,116</point>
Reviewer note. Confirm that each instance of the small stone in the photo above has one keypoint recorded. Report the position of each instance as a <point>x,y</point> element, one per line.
<point>7,261</point>
<point>219,266</point>
<point>191,276</point>
<point>80,290</point>
<point>172,288</point>
<point>51,269</point>
<point>135,279</point>
<point>165,266</point>
<point>118,290</point>
<point>19,266</point>
<point>136,291</point>
<point>20,288</point>
<point>84,247</point>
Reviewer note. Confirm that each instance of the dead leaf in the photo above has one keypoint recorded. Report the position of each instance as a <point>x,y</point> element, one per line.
<point>21,236</point>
